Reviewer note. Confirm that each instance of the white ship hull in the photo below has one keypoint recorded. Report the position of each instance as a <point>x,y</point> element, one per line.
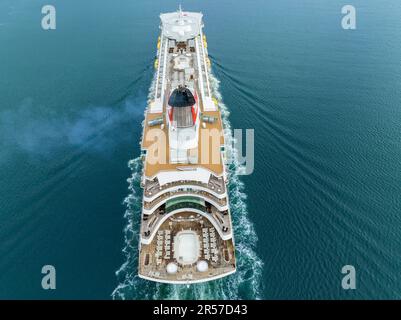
<point>186,230</point>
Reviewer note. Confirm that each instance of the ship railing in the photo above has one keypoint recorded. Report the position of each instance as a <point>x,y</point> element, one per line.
<point>151,224</point>
<point>219,202</point>
<point>215,185</point>
<point>161,68</point>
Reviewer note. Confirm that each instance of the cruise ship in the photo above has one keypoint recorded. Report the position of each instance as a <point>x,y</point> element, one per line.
<point>186,231</point>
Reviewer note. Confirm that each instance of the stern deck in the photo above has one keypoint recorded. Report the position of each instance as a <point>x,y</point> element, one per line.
<point>155,257</point>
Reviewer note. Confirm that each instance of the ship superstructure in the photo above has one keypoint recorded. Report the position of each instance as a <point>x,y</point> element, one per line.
<point>186,230</point>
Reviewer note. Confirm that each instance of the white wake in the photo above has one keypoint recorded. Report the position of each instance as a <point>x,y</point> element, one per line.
<point>244,284</point>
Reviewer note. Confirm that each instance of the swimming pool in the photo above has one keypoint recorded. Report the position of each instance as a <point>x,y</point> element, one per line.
<point>186,247</point>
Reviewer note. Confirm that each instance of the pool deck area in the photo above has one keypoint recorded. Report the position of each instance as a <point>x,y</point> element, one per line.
<point>207,246</point>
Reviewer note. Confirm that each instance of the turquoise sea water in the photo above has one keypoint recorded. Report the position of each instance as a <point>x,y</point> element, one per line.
<point>325,105</point>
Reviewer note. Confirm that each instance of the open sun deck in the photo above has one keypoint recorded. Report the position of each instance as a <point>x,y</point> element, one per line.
<point>186,248</point>
<point>211,140</point>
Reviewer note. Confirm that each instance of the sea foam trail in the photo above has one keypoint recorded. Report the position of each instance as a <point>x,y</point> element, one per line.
<point>244,284</point>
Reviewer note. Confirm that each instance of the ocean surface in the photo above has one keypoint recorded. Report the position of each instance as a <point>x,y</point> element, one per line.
<point>325,104</point>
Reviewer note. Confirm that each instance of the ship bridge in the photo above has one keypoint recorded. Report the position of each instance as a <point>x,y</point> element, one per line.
<point>181,26</point>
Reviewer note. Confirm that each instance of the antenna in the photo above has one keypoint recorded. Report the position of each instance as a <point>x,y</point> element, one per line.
<point>180,10</point>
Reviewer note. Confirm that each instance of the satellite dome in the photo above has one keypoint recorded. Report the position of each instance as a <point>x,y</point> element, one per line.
<point>171,268</point>
<point>202,266</point>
